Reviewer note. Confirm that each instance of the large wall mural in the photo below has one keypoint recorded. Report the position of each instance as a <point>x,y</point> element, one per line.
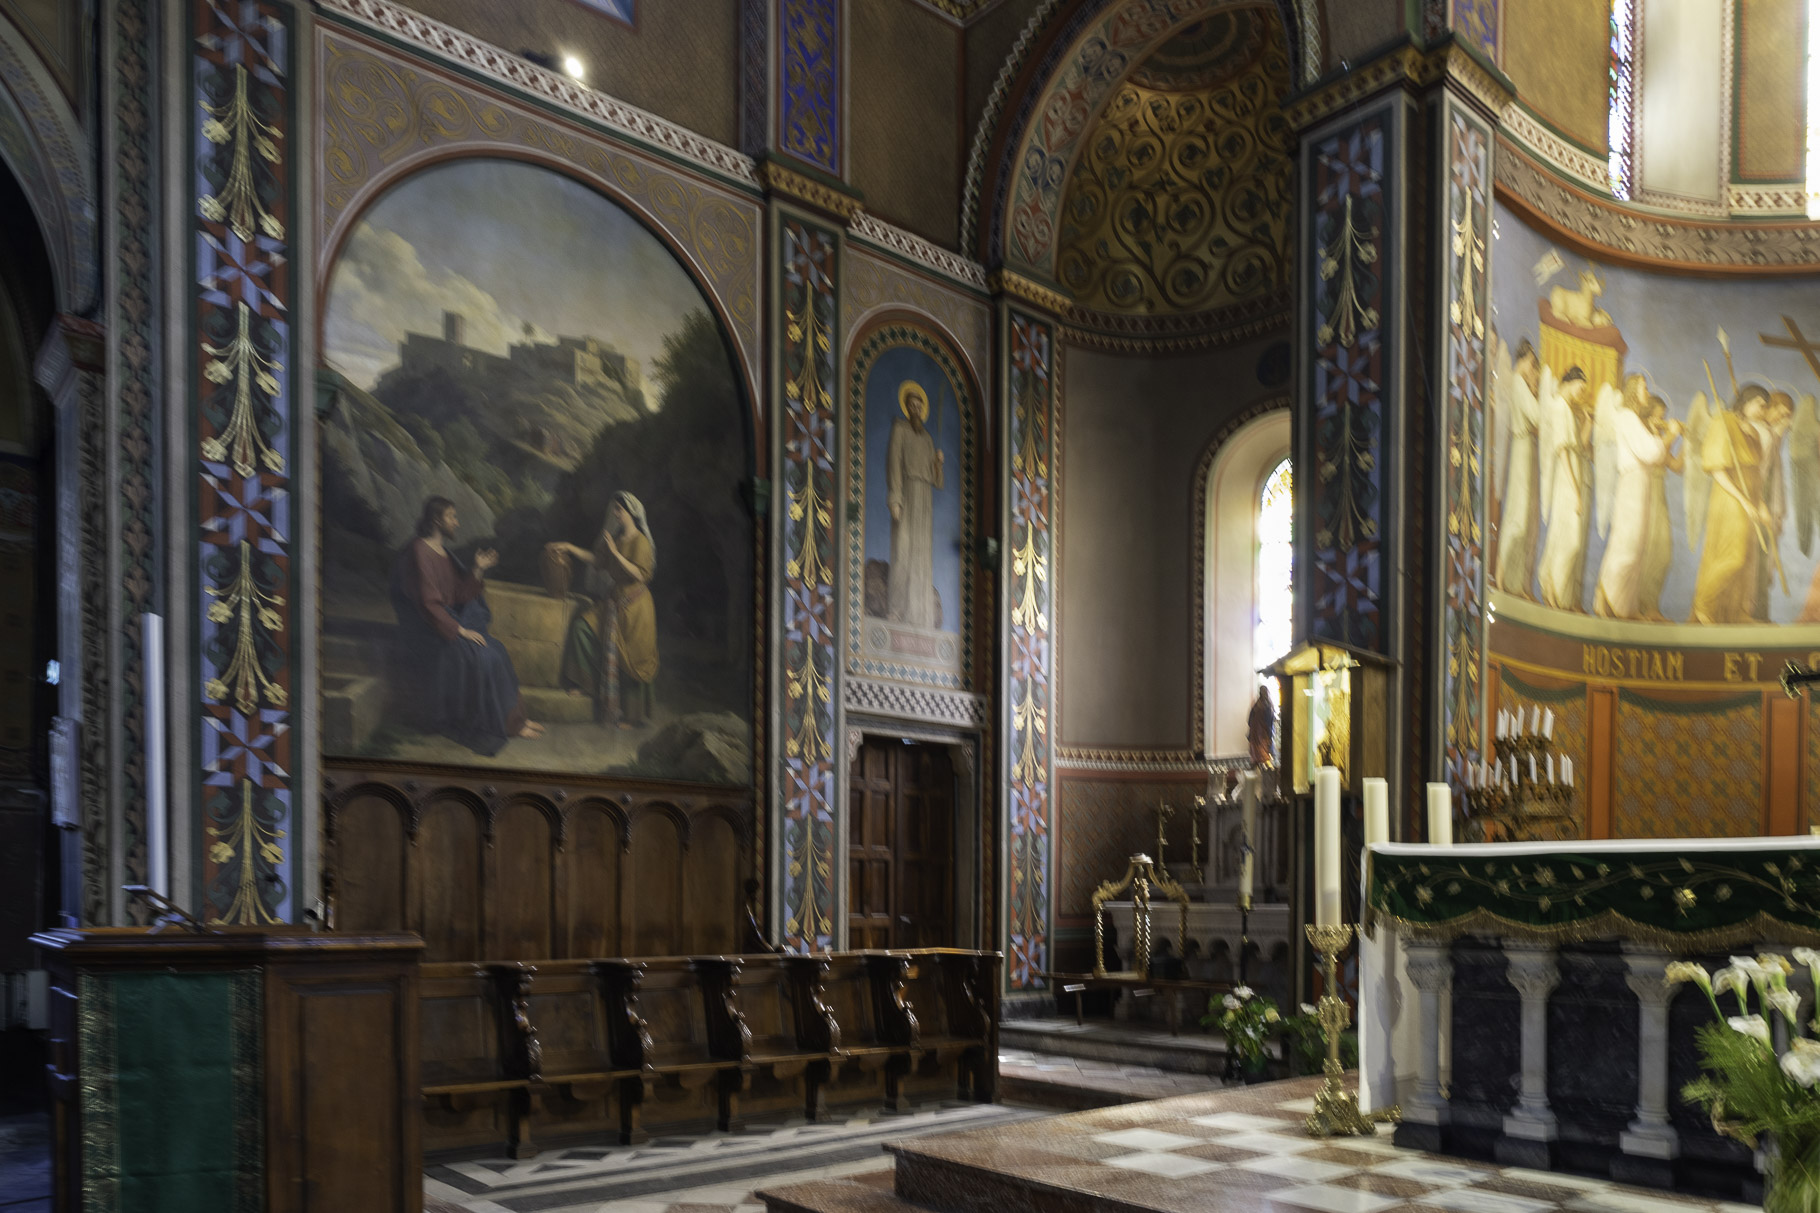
<point>1657,463</point>
<point>536,551</point>
<point>1653,561</point>
<point>912,475</point>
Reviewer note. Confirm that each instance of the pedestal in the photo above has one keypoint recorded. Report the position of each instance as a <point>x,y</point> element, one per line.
<point>275,1070</point>
<point>1650,1144</point>
<point>1529,1130</point>
<point>1430,968</point>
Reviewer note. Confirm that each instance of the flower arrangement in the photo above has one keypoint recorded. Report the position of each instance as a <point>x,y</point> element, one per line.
<point>1248,1019</point>
<point>1305,1042</point>
<point>1749,1088</point>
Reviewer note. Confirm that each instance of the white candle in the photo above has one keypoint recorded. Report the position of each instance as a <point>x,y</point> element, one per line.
<point>1500,724</point>
<point>1327,846</point>
<point>1248,813</point>
<point>1551,768</point>
<point>1440,814</point>
<point>1377,811</point>
<point>1548,723</point>
<point>1567,770</point>
<point>1532,768</point>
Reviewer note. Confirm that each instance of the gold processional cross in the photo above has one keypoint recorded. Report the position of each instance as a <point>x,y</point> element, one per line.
<point>1795,341</point>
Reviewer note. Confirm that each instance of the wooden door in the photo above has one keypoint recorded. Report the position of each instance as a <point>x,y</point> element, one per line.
<point>900,846</point>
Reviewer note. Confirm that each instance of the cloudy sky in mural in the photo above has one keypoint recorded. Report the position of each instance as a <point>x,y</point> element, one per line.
<point>404,267</point>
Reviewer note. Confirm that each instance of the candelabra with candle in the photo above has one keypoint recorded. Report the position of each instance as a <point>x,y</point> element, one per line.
<point>1336,1109</point>
<point>1525,791</point>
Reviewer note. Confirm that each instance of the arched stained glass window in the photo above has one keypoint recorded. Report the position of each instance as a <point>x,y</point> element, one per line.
<point>1274,608</point>
<point>1621,97</point>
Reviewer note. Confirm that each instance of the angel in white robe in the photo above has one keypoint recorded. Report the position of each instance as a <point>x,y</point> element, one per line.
<point>1566,443</point>
<point>1628,454</point>
<point>1516,387</point>
<point>1659,537</point>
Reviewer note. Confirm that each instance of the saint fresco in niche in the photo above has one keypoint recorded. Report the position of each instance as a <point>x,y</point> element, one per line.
<point>913,529</point>
<point>537,548</point>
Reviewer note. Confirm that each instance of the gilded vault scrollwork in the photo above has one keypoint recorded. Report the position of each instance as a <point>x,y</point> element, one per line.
<point>1180,199</point>
<point>381,112</point>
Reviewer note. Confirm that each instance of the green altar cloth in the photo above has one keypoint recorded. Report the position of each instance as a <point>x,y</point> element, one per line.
<point>1689,894</point>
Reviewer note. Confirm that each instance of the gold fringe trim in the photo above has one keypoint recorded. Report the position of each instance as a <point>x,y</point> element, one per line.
<point>1607,924</point>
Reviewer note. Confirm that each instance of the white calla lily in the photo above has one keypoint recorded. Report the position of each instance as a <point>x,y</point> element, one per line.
<point>1735,979</point>
<point>1754,1026</point>
<point>1802,1061</point>
<point>1785,1002</point>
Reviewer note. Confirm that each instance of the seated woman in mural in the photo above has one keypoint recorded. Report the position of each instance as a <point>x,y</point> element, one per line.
<point>457,678</point>
<point>611,651</point>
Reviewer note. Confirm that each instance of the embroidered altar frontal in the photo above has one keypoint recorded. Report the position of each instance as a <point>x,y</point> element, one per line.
<point>1689,893</point>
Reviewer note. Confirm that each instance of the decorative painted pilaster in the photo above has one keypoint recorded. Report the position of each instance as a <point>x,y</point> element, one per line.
<point>1029,695</point>
<point>1461,473</point>
<point>1531,1124</point>
<point>1345,532</point>
<point>242,366</point>
<point>1430,968</point>
<point>1650,1135</point>
<point>133,315</point>
<point>810,662</point>
<point>69,368</point>
<point>1476,24</point>
<point>809,86</point>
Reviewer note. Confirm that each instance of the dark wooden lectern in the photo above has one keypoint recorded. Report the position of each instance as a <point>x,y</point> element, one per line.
<point>237,1070</point>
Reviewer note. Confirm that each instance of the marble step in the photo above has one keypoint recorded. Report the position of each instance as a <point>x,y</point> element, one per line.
<point>834,1196</point>
<point>930,1180</point>
<point>1193,1052</point>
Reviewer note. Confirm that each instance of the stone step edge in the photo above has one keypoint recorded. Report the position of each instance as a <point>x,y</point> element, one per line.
<point>833,1196</point>
<point>946,1185</point>
<point>1191,1060</point>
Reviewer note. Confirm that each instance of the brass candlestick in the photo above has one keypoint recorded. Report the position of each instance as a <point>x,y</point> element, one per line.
<point>1336,1110</point>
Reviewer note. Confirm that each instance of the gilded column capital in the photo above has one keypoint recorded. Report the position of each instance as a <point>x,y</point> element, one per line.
<point>812,190</point>
<point>1039,295</point>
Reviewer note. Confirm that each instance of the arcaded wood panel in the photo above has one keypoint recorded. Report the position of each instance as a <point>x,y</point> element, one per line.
<point>594,855</point>
<point>714,872</point>
<point>657,885</point>
<point>370,867</point>
<point>1557,53</point>
<point>1772,90</point>
<point>904,146</point>
<point>524,854</point>
<point>448,880</point>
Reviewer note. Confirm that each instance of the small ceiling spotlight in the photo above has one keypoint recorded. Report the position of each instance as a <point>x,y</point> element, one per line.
<point>574,68</point>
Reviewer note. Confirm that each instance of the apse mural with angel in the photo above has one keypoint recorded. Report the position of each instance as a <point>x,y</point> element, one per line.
<point>1655,446</point>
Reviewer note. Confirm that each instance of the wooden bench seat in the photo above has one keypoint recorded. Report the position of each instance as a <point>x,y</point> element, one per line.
<point>612,1046</point>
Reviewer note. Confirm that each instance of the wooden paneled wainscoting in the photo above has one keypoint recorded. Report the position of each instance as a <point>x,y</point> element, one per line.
<point>522,868</point>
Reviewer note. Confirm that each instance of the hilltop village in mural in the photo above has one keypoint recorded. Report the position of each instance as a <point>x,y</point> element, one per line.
<point>1654,444</point>
<point>536,550</point>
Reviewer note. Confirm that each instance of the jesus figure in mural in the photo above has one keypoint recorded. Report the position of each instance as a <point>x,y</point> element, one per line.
<point>913,472</point>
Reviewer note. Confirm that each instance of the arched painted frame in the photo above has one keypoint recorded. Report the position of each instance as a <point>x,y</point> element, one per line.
<point>887,637</point>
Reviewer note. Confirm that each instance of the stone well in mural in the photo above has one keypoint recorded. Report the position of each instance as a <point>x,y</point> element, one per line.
<point>523,352</point>
<point>1655,549</point>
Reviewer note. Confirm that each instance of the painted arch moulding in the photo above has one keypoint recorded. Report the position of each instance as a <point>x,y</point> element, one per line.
<point>385,116</point>
<point>41,141</point>
<point>1623,235</point>
<point>1089,57</point>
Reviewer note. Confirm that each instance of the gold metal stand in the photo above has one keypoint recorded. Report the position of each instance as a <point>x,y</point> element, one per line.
<point>1336,1110</point>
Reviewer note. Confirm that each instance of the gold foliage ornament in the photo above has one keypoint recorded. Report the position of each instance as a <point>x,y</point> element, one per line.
<point>237,126</point>
<point>1180,201</point>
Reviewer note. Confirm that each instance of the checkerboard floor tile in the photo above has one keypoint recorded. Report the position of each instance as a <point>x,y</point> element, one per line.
<point>1247,1151</point>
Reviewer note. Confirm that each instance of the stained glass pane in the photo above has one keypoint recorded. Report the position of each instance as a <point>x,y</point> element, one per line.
<point>1622,96</point>
<point>1272,623</point>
